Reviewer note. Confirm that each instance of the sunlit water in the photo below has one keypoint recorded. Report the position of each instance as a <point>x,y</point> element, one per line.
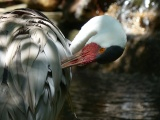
<point>111,96</point>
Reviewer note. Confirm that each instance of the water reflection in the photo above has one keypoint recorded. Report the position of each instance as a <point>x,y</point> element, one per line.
<point>110,96</point>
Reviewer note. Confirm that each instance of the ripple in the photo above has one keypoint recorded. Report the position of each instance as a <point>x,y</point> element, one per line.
<point>112,96</point>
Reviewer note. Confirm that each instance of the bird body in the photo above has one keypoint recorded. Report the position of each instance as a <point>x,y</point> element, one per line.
<point>32,81</point>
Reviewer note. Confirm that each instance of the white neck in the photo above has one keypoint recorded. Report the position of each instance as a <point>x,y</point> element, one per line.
<point>103,30</point>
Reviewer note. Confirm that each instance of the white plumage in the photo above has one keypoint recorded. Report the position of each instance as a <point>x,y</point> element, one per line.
<point>104,30</point>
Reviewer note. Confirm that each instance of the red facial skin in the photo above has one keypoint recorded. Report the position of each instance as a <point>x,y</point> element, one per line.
<point>86,55</point>
<point>89,53</point>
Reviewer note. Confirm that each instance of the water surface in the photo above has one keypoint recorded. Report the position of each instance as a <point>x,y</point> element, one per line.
<point>111,96</point>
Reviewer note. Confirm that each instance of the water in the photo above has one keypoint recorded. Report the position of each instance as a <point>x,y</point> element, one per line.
<point>121,96</point>
<point>111,96</point>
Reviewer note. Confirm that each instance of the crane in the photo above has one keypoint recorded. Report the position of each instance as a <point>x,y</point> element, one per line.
<point>36,60</point>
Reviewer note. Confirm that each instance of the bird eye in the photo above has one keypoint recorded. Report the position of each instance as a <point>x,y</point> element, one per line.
<point>101,50</point>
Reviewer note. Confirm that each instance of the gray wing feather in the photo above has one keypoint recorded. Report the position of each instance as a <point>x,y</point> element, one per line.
<point>11,104</point>
<point>51,86</point>
<point>51,53</point>
<point>31,50</point>
<point>37,77</point>
<point>2,63</point>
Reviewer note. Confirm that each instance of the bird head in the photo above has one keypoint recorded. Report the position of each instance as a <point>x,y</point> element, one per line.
<point>102,40</point>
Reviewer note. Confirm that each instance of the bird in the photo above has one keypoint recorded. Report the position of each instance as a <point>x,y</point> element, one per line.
<point>36,60</point>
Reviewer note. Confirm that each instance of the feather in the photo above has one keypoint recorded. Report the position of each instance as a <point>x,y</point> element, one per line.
<point>51,86</point>
<point>2,64</point>
<point>10,101</point>
<point>18,80</point>
<point>52,36</point>
<point>21,79</point>
<point>37,77</point>
<point>44,108</point>
<point>31,50</point>
<point>53,58</point>
<point>3,39</point>
<point>39,37</point>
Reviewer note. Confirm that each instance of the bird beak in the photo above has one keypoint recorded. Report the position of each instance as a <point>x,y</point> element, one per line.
<point>80,58</point>
<point>73,60</point>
